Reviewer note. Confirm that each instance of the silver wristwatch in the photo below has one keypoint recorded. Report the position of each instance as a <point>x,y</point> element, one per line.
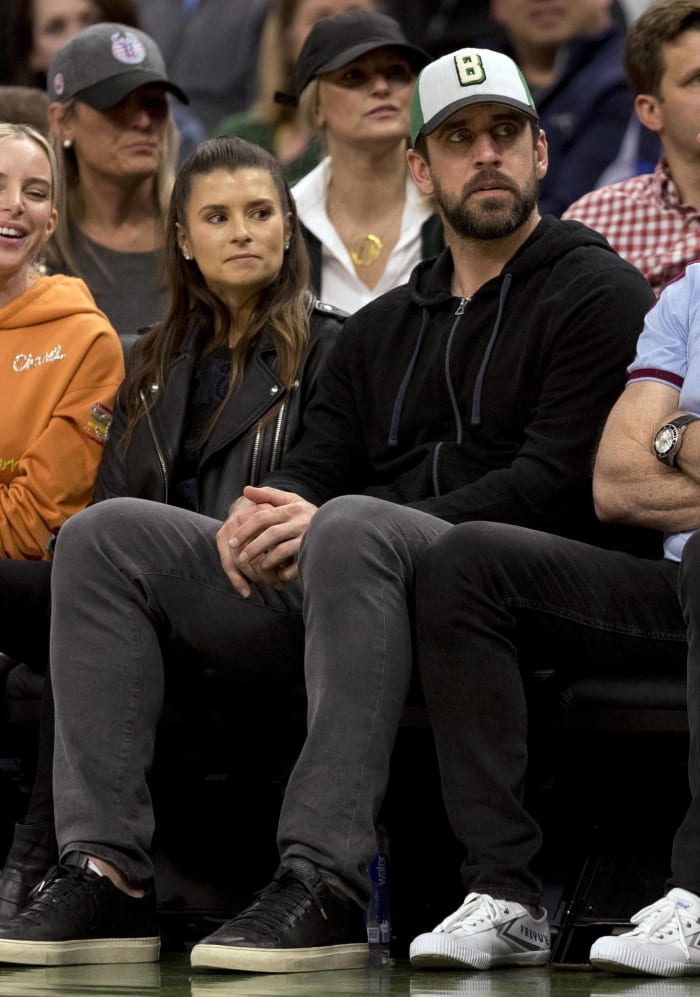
<point>668,438</point>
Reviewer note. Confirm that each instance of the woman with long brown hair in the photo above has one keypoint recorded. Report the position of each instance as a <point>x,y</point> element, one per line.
<point>214,393</point>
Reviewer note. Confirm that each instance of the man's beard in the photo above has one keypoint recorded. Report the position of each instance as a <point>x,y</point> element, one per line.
<point>491,218</point>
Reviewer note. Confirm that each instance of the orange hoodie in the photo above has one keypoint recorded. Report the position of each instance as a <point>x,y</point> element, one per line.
<point>61,363</point>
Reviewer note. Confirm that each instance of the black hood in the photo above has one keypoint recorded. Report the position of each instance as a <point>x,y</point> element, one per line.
<point>431,281</point>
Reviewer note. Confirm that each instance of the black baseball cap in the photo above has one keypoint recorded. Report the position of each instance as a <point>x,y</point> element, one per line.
<point>335,41</point>
<point>103,63</point>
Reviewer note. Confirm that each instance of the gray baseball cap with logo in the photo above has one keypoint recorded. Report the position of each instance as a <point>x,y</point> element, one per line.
<point>460,79</point>
<point>102,64</point>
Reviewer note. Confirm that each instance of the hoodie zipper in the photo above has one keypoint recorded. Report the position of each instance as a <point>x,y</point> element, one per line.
<point>461,308</point>
<point>159,453</point>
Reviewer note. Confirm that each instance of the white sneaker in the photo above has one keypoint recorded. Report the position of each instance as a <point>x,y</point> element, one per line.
<point>482,934</point>
<point>666,941</point>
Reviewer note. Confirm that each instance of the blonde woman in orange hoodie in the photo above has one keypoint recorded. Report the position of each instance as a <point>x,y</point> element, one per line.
<point>60,362</point>
<point>60,366</point>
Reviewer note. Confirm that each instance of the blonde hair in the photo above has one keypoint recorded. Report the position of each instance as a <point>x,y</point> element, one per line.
<point>20,130</point>
<point>9,130</point>
<point>308,105</point>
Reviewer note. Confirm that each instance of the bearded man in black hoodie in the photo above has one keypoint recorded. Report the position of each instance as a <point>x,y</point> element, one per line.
<point>476,392</point>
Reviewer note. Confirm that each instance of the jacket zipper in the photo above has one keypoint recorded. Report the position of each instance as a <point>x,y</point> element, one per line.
<point>276,444</point>
<point>274,456</point>
<point>257,443</point>
<point>275,453</point>
<point>159,453</point>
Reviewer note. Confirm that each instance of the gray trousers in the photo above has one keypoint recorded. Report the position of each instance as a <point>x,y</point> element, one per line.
<point>130,575</point>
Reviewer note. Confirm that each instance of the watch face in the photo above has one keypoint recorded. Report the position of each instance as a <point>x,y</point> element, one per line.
<point>665,440</point>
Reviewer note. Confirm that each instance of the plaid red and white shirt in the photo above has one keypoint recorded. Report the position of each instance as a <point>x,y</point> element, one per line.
<point>644,220</point>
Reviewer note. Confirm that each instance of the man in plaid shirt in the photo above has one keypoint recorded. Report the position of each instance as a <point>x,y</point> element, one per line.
<point>653,220</point>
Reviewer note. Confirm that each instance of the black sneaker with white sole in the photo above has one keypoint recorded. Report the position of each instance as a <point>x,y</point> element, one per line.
<point>77,916</point>
<point>297,924</point>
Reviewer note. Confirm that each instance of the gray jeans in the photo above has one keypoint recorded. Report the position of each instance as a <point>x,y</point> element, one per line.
<point>130,574</point>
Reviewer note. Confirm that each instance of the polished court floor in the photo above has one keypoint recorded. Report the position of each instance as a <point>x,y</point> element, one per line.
<point>174,978</point>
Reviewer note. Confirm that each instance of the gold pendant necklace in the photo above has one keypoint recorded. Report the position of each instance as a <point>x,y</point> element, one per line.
<point>366,250</point>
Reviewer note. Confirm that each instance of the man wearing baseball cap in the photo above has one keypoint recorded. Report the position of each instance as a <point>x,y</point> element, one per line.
<point>474,392</point>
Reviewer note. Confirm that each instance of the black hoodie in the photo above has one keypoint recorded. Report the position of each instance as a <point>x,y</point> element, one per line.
<point>486,408</point>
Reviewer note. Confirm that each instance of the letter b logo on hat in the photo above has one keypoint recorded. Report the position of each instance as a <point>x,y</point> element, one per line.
<point>470,68</point>
<point>463,78</point>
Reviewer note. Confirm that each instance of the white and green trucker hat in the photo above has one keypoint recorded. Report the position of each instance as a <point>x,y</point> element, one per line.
<point>469,76</point>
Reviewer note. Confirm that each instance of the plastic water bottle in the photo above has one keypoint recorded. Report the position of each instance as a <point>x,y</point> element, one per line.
<point>379,909</point>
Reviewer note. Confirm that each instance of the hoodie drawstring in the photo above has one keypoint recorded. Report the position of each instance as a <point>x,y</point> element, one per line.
<point>478,385</point>
<point>476,401</point>
<point>403,387</point>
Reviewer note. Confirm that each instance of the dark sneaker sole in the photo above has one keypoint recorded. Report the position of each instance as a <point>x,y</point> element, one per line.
<point>79,952</point>
<point>259,960</point>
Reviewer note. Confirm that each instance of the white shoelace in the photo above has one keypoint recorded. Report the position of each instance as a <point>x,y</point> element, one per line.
<point>476,909</point>
<point>663,919</point>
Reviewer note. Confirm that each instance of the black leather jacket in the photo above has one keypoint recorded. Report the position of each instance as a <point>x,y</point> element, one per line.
<point>239,451</point>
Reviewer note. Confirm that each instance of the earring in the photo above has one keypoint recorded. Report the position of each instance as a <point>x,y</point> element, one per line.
<point>186,255</point>
<point>286,247</point>
<point>67,143</point>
